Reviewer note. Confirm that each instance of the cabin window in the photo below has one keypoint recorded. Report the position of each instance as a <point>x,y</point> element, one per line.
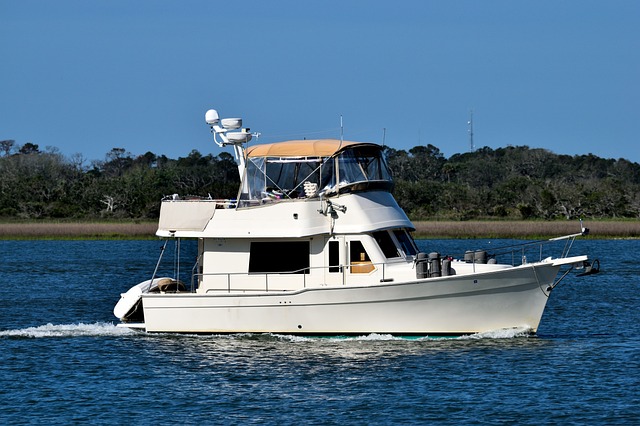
<point>406,242</point>
<point>287,176</point>
<point>275,178</point>
<point>327,176</point>
<point>386,244</point>
<point>334,256</point>
<point>359,259</point>
<point>362,164</point>
<point>255,179</point>
<point>289,257</point>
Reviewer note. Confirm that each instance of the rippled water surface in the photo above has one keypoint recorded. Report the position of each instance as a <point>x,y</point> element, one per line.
<point>62,360</point>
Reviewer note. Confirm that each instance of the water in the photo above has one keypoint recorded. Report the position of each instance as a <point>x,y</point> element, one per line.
<point>62,360</point>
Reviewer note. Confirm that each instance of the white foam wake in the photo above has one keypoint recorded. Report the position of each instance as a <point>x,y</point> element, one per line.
<point>503,333</point>
<point>109,329</point>
<point>68,330</point>
<point>376,336</point>
<point>372,337</point>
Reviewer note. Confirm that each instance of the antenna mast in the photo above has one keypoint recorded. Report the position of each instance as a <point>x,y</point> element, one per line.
<point>470,123</point>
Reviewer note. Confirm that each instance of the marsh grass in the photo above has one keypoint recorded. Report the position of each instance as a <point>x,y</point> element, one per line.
<point>424,229</point>
<point>78,230</point>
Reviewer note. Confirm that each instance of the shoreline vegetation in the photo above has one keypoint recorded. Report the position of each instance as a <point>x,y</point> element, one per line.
<point>624,229</point>
<point>516,183</point>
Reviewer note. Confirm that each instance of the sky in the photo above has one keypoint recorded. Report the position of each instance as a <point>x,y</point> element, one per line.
<point>89,76</point>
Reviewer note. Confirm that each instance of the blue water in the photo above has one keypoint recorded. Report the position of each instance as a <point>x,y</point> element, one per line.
<point>62,360</point>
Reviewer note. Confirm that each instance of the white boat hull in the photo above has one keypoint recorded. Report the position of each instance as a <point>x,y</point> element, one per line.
<point>514,297</point>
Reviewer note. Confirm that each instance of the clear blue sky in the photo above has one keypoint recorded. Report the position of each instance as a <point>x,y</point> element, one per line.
<point>88,76</point>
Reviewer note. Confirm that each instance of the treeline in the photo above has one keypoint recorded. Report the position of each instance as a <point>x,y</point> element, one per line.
<point>515,182</point>
<point>511,183</point>
<point>35,184</point>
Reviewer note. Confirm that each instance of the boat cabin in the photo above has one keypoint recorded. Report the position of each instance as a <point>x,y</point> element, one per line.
<point>312,212</point>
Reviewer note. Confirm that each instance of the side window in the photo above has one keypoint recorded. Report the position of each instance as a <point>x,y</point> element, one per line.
<point>406,242</point>
<point>279,257</point>
<point>334,256</point>
<point>386,244</point>
<point>359,259</point>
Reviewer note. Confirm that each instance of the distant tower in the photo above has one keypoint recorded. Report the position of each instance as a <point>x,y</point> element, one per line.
<point>470,123</point>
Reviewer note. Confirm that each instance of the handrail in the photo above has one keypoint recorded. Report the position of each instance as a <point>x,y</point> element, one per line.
<point>193,272</point>
<point>523,248</point>
<point>219,202</point>
<point>380,270</point>
<point>155,271</point>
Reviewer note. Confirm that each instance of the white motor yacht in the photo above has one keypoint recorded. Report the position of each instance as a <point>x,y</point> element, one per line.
<point>315,244</point>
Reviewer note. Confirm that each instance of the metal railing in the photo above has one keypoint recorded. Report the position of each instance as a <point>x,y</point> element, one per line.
<point>219,202</point>
<point>522,253</point>
<point>294,280</point>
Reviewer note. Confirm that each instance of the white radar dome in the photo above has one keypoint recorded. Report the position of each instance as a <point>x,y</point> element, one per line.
<point>232,123</point>
<point>211,117</point>
<point>239,137</point>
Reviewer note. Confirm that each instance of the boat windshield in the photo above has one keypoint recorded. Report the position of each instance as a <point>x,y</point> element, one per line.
<point>355,168</point>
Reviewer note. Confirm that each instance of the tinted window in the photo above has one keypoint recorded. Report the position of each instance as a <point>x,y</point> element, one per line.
<point>406,242</point>
<point>386,244</point>
<point>279,257</point>
<point>334,256</point>
<point>357,253</point>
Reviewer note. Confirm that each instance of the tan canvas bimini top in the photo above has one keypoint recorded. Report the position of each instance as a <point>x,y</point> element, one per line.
<point>301,148</point>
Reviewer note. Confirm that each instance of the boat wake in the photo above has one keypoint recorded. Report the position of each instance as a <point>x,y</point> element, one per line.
<point>503,333</point>
<point>506,333</point>
<point>100,329</point>
<point>69,330</point>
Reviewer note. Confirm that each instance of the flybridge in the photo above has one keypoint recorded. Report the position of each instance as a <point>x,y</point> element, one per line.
<point>300,168</point>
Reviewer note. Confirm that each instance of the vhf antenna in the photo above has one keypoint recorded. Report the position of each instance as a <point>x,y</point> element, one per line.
<point>470,123</point>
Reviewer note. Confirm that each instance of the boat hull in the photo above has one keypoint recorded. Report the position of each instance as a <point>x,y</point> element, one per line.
<point>455,305</point>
